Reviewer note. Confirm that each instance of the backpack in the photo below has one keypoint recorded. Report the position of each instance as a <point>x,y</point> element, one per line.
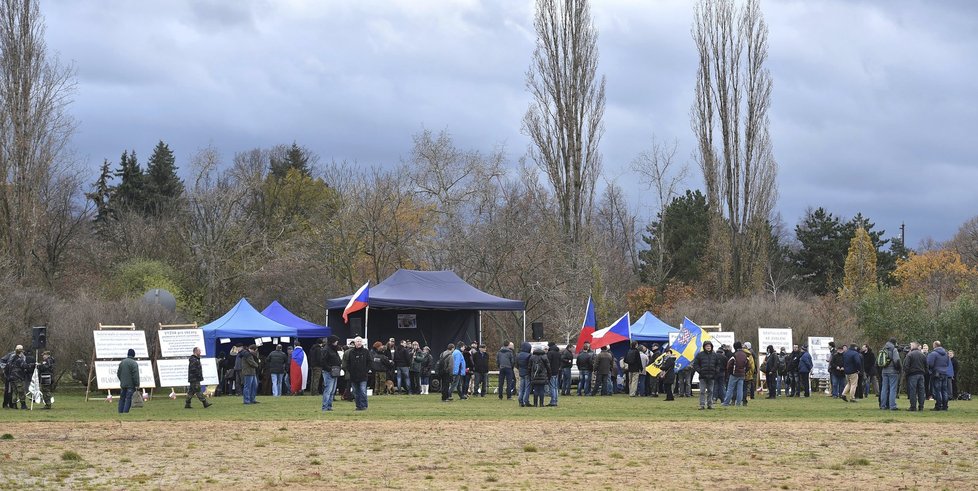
<point>883,359</point>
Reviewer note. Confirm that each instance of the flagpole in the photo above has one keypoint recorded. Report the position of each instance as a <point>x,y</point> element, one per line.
<point>366,324</point>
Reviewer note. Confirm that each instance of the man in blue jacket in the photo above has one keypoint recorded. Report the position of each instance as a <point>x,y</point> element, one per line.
<point>804,369</point>
<point>937,363</point>
<point>852,364</point>
<point>458,372</point>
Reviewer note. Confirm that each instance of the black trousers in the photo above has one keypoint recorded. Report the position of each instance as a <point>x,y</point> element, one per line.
<point>446,387</point>
<point>804,383</point>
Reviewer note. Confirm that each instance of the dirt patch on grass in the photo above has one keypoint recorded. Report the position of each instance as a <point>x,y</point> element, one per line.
<point>489,455</point>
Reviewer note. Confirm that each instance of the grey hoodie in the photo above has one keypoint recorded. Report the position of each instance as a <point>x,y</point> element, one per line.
<point>505,358</point>
<point>896,365</point>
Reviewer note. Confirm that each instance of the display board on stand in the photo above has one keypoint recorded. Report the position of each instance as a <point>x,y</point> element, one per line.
<point>818,348</point>
<point>177,343</point>
<point>112,344</point>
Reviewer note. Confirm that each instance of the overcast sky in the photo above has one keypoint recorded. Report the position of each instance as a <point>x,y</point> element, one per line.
<point>873,109</point>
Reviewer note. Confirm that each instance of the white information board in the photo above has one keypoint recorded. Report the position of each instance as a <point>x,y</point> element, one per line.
<point>181,342</point>
<point>107,378</point>
<point>173,373</point>
<point>819,348</point>
<point>779,338</point>
<point>722,338</point>
<point>116,344</point>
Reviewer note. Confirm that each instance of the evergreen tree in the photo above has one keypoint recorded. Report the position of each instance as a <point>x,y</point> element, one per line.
<point>130,194</point>
<point>821,257</point>
<point>101,194</point>
<point>687,220</point>
<point>163,187</point>
<point>295,157</point>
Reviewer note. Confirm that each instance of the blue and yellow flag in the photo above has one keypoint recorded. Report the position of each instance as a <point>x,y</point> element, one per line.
<point>688,343</point>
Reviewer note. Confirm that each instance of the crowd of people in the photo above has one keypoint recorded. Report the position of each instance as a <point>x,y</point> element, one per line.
<point>18,368</point>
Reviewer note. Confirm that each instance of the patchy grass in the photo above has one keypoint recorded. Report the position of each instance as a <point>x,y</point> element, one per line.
<point>70,456</point>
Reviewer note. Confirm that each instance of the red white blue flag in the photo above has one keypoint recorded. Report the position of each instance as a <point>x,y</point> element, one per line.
<point>358,301</point>
<point>615,333</point>
<point>587,328</point>
<point>299,371</point>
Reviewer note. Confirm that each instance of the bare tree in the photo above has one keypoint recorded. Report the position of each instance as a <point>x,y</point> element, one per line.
<point>34,128</point>
<point>965,242</point>
<point>729,118</point>
<point>658,170</point>
<point>564,119</point>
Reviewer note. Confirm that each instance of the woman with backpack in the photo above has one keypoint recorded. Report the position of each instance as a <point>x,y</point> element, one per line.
<point>540,374</point>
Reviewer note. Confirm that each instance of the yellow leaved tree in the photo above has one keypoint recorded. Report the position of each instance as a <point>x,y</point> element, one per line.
<point>939,275</point>
<point>860,267</point>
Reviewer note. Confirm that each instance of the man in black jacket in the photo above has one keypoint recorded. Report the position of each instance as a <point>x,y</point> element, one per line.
<point>584,370</point>
<point>195,375</point>
<point>870,376</point>
<point>634,361</point>
<point>402,364</point>
<point>707,363</point>
<point>315,367</point>
<point>277,362</point>
<point>331,367</point>
<point>566,362</point>
<point>914,367</point>
<point>553,362</point>
<point>356,363</point>
<point>480,369</point>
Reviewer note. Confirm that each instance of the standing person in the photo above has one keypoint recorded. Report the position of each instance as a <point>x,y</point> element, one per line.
<point>128,374</point>
<point>16,369</point>
<point>425,372</point>
<point>872,384</point>
<point>356,364</point>
<point>380,364</point>
<point>402,363</point>
<point>276,361</point>
<point>229,382</point>
<point>459,372</point>
<point>331,364</point>
<point>541,375</point>
<point>603,364</point>
<point>938,364</point>
<point>417,359</point>
<point>249,374</point>
<point>721,379</point>
<point>792,370</point>
<point>837,371</point>
<point>737,369</point>
<point>584,370</point>
<point>891,364</point>
<point>805,365</point>
<point>316,367</point>
<point>955,367</point>
<point>928,386</point>
<point>444,370</point>
<point>566,363</point>
<point>553,367</point>
<point>914,368</point>
<point>634,361</point>
<point>707,364</point>
<point>45,376</point>
<point>668,373</point>
<point>480,367</point>
<point>750,376</point>
<point>771,364</point>
<point>506,361</point>
<point>195,375</point>
<point>522,364</point>
<point>852,362</point>
<point>467,352</point>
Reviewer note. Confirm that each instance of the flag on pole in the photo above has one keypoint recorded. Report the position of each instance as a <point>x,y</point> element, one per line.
<point>689,343</point>
<point>35,388</point>
<point>358,301</point>
<point>299,371</point>
<point>615,333</point>
<point>587,328</point>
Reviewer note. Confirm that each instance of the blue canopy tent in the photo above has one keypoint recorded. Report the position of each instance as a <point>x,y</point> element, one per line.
<point>278,313</point>
<point>650,328</point>
<point>243,321</point>
<point>432,307</point>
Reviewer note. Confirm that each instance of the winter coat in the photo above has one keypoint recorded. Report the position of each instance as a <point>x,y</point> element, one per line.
<point>356,364</point>
<point>523,358</point>
<point>852,361</point>
<point>553,359</point>
<point>480,362</point>
<point>16,369</point>
<point>634,360</point>
<point>277,362</point>
<point>458,362</point>
<point>791,361</point>
<point>128,373</point>
<point>330,358</point>
<point>316,356</point>
<point>566,358</point>
<point>805,362</point>
<point>249,365</point>
<point>505,358</point>
<point>668,373</point>
<point>603,363</point>
<point>194,371</point>
<point>738,364</point>
<point>896,365</point>
<point>539,357</point>
<point>584,361</point>
<point>938,361</point>
<point>915,363</point>
<point>379,362</point>
<point>869,363</point>
<point>402,357</point>
<point>707,364</point>
<point>835,364</point>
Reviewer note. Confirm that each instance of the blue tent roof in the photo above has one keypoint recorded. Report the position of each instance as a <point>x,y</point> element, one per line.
<point>243,321</point>
<point>650,328</point>
<point>278,313</point>
<point>409,289</point>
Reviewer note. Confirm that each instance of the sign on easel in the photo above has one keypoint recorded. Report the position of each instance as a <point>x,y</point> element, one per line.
<point>181,342</point>
<point>116,344</point>
<point>779,338</point>
<point>106,374</point>
<point>173,373</point>
<point>819,349</point>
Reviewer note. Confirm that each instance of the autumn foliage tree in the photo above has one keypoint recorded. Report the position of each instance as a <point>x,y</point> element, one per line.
<point>860,267</point>
<point>939,275</point>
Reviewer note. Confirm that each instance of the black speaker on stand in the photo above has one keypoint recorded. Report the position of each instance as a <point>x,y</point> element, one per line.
<point>537,330</point>
<point>356,327</point>
<point>39,338</point>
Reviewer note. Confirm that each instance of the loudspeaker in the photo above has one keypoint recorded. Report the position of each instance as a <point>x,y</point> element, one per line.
<point>537,331</point>
<point>356,327</point>
<point>39,338</point>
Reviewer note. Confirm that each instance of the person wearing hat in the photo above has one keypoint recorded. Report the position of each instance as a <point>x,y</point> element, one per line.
<point>128,374</point>
<point>16,372</point>
<point>805,365</point>
<point>45,376</point>
<point>707,363</point>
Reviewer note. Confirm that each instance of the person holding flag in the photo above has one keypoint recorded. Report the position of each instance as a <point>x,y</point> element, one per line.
<point>298,371</point>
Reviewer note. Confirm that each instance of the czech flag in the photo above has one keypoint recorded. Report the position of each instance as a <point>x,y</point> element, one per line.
<point>299,371</point>
<point>358,301</point>
<point>615,333</point>
<point>587,329</point>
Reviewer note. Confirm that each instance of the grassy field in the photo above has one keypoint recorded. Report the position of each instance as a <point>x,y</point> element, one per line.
<point>418,442</point>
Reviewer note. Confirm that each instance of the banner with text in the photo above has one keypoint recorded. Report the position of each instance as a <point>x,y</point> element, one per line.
<point>819,348</point>
<point>722,338</point>
<point>115,344</point>
<point>181,342</point>
<point>173,373</point>
<point>779,338</point>
<point>107,378</point>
